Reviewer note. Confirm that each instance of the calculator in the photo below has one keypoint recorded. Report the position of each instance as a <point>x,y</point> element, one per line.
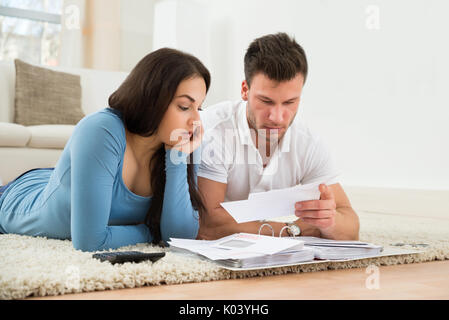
<point>128,256</point>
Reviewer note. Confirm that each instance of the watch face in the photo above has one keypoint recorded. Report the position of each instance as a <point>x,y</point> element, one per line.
<point>295,229</point>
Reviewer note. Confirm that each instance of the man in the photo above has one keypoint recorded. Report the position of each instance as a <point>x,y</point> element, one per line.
<point>257,145</point>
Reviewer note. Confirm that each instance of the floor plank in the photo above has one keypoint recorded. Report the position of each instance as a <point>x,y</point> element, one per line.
<point>411,281</point>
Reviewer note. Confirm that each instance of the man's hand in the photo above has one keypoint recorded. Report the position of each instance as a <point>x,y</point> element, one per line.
<point>319,213</point>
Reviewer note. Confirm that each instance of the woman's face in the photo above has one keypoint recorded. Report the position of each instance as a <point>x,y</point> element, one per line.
<point>182,118</point>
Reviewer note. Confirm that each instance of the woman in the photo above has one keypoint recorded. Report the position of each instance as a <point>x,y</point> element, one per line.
<point>123,177</point>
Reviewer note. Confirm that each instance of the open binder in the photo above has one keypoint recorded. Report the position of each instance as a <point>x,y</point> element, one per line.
<point>244,251</point>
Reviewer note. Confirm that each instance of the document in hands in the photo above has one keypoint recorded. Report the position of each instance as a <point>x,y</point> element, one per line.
<point>271,204</point>
<point>244,250</point>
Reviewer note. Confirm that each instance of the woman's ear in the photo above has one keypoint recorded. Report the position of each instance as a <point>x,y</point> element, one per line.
<point>245,90</point>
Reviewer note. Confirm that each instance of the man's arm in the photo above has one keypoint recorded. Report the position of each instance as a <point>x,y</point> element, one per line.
<point>332,214</point>
<point>216,222</point>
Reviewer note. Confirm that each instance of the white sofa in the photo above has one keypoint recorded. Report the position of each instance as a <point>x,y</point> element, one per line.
<point>24,148</point>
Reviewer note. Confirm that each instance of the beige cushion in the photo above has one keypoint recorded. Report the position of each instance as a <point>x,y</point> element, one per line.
<point>50,136</point>
<point>13,135</point>
<point>44,96</point>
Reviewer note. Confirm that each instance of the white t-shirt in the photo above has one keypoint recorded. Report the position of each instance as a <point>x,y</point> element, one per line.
<point>229,155</point>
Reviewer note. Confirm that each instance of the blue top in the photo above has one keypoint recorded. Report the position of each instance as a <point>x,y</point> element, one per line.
<point>85,199</point>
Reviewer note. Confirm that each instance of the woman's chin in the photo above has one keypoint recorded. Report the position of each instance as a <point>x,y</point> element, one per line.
<point>178,143</point>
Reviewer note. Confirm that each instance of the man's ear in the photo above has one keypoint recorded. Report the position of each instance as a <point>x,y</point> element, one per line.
<point>245,90</point>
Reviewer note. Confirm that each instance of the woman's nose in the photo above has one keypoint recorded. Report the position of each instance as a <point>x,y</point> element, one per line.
<point>195,119</point>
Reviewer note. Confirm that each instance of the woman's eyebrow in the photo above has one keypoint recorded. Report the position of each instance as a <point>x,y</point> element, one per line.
<point>186,96</point>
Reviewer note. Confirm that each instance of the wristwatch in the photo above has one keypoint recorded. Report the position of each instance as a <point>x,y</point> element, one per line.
<point>293,230</point>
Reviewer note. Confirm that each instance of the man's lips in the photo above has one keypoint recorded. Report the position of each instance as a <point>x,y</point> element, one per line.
<point>273,128</point>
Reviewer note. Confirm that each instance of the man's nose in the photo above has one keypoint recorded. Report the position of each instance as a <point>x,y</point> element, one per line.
<point>276,114</point>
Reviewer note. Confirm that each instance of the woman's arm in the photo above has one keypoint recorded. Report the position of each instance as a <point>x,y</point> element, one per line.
<point>179,219</point>
<point>96,151</point>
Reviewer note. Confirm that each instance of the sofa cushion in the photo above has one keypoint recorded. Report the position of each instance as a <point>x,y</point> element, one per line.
<point>13,135</point>
<point>44,96</point>
<point>7,88</point>
<point>15,161</point>
<point>50,136</point>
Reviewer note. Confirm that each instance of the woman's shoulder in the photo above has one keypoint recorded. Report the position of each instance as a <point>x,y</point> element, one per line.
<point>106,120</point>
<point>104,116</point>
<point>104,126</point>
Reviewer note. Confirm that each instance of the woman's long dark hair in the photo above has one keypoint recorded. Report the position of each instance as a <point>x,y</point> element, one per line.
<point>142,100</point>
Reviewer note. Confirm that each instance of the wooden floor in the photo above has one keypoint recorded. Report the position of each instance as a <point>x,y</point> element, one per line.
<point>411,281</point>
<point>428,280</point>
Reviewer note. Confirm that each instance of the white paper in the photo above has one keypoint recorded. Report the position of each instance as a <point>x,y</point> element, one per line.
<point>314,241</point>
<point>271,204</point>
<point>389,251</point>
<point>238,246</point>
<point>245,251</point>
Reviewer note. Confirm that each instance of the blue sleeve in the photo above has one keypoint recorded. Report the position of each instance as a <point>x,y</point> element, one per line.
<point>179,219</point>
<point>96,150</point>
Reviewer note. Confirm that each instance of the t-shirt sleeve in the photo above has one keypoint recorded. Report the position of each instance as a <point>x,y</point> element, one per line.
<point>95,151</point>
<point>319,165</point>
<point>216,158</point>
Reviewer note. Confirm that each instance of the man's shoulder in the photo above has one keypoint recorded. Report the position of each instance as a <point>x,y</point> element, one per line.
<point>220,116</point>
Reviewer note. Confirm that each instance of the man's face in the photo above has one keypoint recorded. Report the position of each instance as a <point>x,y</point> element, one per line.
<point>272,105</point>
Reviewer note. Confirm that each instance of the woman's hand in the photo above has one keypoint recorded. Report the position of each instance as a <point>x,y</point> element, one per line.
<point>187,144</point>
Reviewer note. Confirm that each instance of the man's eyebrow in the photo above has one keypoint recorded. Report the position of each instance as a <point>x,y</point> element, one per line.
<point>263,97</point>
<point>260,96</point>
<point>186,96</point>
<point>292,99</point>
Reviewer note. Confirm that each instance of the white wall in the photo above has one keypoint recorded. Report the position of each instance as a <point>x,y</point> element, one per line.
<point>136,33</point>
<point>378,96</point>
<point>377,87</point>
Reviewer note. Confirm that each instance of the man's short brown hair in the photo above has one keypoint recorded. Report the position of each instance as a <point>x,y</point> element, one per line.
<point>278,56</point>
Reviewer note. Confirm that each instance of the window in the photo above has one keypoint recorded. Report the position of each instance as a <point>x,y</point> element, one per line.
<point>30,30</point>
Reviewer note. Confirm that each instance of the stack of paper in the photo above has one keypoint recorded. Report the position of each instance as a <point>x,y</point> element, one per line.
<point>244,250</point>
<point>326,249</point>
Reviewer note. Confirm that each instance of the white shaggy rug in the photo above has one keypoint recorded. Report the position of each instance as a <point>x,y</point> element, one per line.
<point>39,267</point>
